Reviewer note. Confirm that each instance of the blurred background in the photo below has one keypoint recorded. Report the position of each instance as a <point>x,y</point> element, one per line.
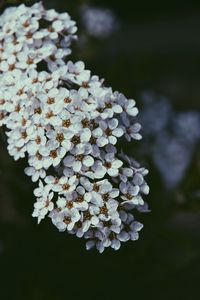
<point>151,54</point>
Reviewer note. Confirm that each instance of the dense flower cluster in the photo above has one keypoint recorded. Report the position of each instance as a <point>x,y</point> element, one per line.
<point>67,124</point>
<point>29,36</point>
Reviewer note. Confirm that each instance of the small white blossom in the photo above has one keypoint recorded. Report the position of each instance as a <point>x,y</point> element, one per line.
<point>65,219</point>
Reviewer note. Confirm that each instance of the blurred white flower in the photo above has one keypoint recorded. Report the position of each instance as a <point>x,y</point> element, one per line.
<point>172,137</point>
<point>99,22</point>
<point>172,157</point>
<point>155,115</point>
<point>187,126</point>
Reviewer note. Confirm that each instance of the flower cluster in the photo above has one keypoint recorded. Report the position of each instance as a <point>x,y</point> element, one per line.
<point>67,124</point>
<point>31,35</point>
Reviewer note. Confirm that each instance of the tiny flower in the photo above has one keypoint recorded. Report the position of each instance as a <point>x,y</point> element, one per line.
<point>77,161</point>
<point>112,164</point>
<point>65,219</point>
<point>43,206</point>
<point>111,130</point>
<point>130,194</point>
<point>35,174</point>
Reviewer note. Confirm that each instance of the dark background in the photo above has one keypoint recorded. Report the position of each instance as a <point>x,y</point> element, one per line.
<point>156,48</point>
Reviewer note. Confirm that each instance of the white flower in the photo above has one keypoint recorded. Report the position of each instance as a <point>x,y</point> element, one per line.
<point>101,192</point>
<point>172,158</point>
<point>97,170</point>
<point>89,217</point>
<point>43,206</point>
<point>130,194</point>
<point>65,219</point>
<point>187,126</point>
<point>51,154</point>
<point>99,22</point>
<point>61,136</point>
<point>107,105</point>
<point>42,189</point>
<point>128,105</point>
<point>81,199</point>
<point>65,185</point>
<point>125,173</point>
<point>130,230</point>
<point>111,130</point>
<point>112,164</point>
<point>26,60</point>
<point>44,202</point>
<point>111,240</point>
<point>36,142</point>
<point>35,174</point>
<point>131,130</point>
<point>20,136</point>
<point>16,152</point>
<point>77,73</point>
<point>77,161</point>
<point>109,215</point>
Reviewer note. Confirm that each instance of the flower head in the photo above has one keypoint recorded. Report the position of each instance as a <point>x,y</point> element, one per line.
<point>68,124</point>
